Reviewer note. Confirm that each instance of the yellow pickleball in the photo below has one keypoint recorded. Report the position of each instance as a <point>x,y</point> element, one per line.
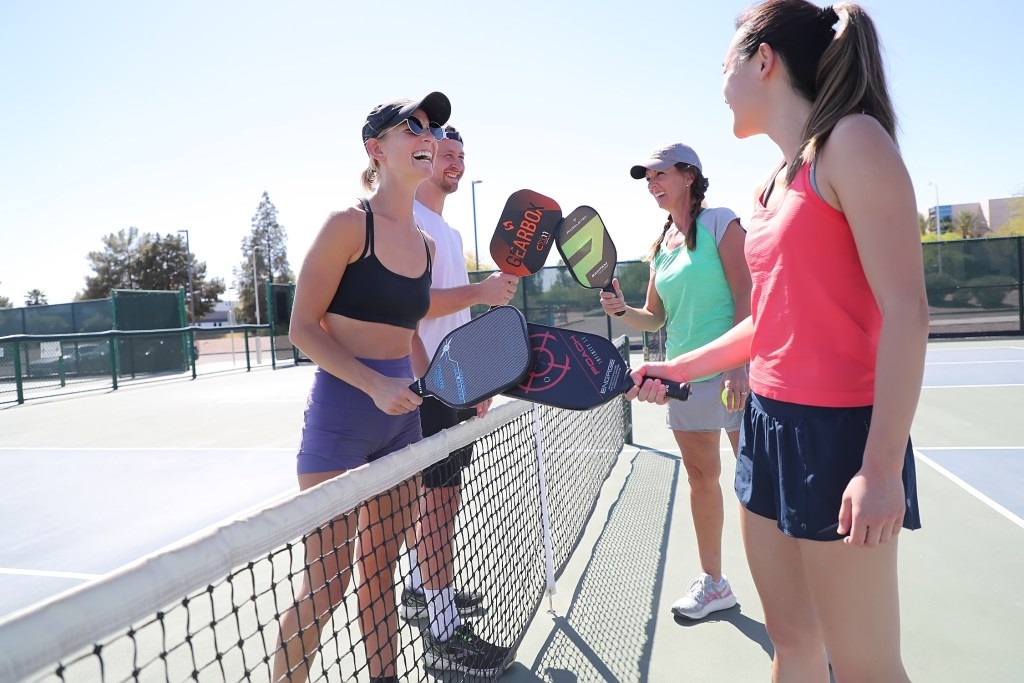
<point>725,397</point>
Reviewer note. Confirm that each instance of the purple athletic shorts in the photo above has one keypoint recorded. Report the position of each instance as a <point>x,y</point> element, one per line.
<point>344,429</point>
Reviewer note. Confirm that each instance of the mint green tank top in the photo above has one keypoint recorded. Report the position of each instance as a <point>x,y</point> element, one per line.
<point>693,288</point>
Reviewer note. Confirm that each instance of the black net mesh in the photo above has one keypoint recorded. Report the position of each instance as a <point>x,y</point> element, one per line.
<point>316,584</point>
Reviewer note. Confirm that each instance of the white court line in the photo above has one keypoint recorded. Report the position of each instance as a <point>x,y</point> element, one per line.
<point>967,386</point>
<point>939,347</point>
<point>972,362</point>
<point>970,489</point>
<point>49,574</point>
<point>167,449</point>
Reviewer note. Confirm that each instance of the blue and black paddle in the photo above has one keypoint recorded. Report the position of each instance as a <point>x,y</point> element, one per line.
<point>478,360</point>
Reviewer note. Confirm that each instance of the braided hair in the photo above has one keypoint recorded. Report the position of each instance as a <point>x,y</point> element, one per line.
<point>698,189</point>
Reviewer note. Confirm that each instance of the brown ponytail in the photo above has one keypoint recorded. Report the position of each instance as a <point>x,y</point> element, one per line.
<point>838,69</point>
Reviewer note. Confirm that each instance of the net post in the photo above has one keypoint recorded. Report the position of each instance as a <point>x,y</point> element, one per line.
<point>627,406</point>
<point>248,362</point>
<point>545,518</point>
<point>191,334</point>
<point>19,381</point>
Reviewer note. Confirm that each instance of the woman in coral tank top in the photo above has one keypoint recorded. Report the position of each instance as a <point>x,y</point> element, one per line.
<point>835,341</point>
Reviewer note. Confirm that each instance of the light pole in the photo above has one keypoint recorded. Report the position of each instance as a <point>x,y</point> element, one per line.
<point>476,246</point>
<point>191,292</point>
<point>256,300</point>
<point>938,226</point>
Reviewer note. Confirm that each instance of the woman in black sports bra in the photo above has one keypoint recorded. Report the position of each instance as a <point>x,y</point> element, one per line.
<point>363,287</point>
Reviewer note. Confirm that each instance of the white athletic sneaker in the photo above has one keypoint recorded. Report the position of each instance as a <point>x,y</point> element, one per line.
<point>703,597</point>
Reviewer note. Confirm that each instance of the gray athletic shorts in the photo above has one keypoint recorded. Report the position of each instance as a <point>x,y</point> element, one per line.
<point>703,411</point>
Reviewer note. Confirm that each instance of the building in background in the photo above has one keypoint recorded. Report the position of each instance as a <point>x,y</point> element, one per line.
<point>992,215</point>
<point>223,313</point>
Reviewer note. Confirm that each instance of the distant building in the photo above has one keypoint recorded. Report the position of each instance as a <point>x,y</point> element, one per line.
<point>223,313</point>
<point>993,214</point>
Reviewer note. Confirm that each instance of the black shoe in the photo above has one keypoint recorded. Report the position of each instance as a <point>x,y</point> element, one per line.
<point>466,652</point>
<point>414,604</point>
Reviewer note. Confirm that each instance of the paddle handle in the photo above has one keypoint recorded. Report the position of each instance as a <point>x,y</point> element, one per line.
<point>679,392</point>
<point>418,388</point>
<point>611,290</point>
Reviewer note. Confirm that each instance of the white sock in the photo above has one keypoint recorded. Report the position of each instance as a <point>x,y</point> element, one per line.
<point>414,579</point>
<point>441,612</point>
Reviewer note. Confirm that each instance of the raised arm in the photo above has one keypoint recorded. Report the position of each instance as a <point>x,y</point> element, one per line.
<point>496,290</point>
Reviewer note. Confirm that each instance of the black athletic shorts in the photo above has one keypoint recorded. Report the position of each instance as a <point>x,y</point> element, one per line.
<point>435,416</point>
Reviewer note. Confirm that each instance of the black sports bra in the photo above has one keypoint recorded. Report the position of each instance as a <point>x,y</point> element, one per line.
<point>370,292</point>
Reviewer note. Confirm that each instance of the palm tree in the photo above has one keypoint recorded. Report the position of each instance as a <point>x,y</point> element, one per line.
<point>969,224</point>
<point>35,297</point>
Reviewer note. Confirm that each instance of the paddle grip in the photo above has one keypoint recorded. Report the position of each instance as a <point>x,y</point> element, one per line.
<point>418,388</point>
<point>611,290</point>
<point>680,392</point>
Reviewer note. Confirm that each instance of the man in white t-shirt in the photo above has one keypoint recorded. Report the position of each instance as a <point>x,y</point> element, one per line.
<point>428,587</point>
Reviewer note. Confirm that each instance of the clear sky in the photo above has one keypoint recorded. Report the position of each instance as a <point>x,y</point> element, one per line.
<point>180,114</point>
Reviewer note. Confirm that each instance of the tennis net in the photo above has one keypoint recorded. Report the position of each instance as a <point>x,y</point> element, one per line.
<point>211,607</point>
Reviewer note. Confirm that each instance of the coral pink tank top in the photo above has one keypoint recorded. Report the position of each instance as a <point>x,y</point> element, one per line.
<point>816,322</point>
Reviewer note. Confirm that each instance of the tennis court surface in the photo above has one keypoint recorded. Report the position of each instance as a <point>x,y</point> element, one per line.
<point>95,484</point>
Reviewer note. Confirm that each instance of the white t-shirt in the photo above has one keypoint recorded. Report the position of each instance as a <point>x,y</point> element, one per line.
<point>449,270</point>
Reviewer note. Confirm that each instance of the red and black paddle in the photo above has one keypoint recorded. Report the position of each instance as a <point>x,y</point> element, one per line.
<point>576,370</point>
<point>525,232</point>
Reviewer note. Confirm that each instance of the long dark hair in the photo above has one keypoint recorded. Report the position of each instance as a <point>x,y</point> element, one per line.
<point>839,70</point>
<point>698,188</point>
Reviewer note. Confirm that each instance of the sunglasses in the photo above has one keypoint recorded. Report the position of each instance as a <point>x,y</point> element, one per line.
<point>452,134</point>
<point>416,127</point>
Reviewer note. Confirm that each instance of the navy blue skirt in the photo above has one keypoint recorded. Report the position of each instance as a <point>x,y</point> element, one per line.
<point>795,462</point>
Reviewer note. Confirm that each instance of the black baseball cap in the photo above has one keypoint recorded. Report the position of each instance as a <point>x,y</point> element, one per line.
<point>389,114</point>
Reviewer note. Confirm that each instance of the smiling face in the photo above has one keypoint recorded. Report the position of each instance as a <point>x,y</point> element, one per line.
<point>670,187</point>
<point>449,165</point>
<point>403,150</point>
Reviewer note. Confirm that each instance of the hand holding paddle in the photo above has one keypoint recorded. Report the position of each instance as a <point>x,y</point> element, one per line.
<point>613,302</point>
<point>650,387</point>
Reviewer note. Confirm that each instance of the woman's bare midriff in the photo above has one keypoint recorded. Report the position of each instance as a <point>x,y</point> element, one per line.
<point>363,339</point>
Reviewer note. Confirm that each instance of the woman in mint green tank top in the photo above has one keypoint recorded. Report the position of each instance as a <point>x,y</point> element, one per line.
<point>699,288</point>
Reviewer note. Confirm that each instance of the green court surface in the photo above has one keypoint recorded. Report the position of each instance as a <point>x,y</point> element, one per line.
<point>961,591</point>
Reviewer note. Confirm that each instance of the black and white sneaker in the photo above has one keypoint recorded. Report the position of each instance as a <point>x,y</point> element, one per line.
<point>465,652</point>
<point>414,604</point>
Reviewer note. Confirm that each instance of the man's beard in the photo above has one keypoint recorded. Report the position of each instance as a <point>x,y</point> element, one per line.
<point>448,186</point>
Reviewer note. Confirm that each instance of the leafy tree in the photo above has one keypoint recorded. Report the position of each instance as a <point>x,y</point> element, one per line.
<point>134,260</point>
<point>263,250</point>
<point>5,302</point>
<point>924,224</point>
<point>35,297</point>
<point>1015,226</point>
<point>471,263</point>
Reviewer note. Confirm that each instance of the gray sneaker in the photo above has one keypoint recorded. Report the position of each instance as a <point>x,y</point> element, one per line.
<point>414,604</point>
<point>465,652</point>
<point>703,597</point>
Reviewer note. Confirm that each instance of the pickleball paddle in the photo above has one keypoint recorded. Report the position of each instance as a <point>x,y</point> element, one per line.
<point>587,249</point>
<point>525,232</point>
<point>479,359</point>
<point>576,370</point>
